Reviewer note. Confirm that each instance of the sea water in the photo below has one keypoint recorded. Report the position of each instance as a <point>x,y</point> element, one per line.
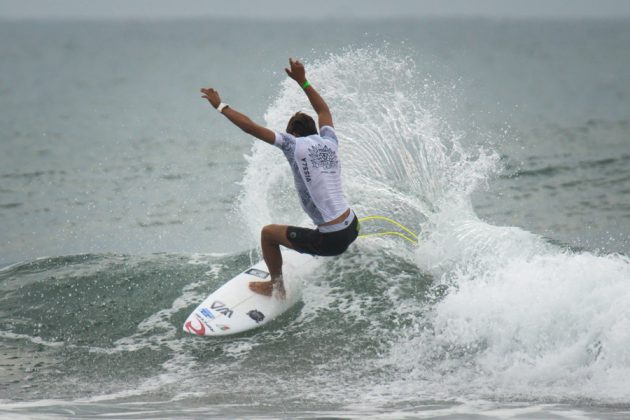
<point>125,199</point>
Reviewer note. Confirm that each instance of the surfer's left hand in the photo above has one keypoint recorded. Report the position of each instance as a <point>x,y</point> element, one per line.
<point>297,71</point>
<point>212,96</point>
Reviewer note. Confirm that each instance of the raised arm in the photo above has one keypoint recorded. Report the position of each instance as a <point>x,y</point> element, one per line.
<point>297,73</point>
<point>240,120</point>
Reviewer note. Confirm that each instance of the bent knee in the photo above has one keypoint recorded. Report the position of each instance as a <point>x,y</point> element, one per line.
<point>274,232</point>
<point>269,229</point>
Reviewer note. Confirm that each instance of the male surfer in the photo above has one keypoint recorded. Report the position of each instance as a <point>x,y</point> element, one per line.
<point>317,175</point>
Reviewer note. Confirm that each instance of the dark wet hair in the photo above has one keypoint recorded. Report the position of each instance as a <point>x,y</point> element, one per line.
<point>302,125</point>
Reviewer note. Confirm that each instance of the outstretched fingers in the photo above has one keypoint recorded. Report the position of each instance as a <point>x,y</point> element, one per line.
<point>211,95</point>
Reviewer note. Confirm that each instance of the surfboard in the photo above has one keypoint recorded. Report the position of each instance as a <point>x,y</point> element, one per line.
<point>233,308</point>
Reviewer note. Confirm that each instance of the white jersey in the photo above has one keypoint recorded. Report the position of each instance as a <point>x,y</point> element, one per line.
<point>316,172</point>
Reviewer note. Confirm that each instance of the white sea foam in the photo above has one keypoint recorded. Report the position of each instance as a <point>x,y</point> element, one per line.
<point>32,339</point>
<point>521,317</point>
<point>203,258</point>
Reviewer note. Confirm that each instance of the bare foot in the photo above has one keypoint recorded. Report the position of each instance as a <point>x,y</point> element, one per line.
<point>267,288</point>
<point>261,287</point>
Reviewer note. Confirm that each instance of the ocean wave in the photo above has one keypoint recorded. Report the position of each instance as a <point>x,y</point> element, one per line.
<point>475,311</point>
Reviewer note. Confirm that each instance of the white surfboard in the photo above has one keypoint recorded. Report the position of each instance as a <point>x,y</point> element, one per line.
<point>234,308</point>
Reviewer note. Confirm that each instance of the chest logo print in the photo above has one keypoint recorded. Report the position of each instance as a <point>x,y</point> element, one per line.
<point>322,156</point>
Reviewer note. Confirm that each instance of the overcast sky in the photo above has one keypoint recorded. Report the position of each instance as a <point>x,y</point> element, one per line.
<point>292,9</point>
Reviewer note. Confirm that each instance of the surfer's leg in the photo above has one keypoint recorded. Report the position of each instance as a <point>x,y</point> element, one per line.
<point>271,237</point>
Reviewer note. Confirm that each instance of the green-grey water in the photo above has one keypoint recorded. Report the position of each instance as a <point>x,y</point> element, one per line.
<point>125,200</point>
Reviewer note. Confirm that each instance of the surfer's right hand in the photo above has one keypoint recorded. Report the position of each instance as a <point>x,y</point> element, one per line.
<point>212,96</point>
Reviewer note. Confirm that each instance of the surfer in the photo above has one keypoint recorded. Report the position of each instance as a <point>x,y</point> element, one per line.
<point>317,175</point>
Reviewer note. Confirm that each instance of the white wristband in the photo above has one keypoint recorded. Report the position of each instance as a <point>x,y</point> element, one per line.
<point>221,107</point>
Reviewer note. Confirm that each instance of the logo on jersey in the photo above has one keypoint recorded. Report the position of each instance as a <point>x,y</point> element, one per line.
<point>322,156</point>
<point>307,174</point>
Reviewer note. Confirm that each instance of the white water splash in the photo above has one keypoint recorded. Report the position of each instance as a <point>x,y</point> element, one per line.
<point>522,317</point>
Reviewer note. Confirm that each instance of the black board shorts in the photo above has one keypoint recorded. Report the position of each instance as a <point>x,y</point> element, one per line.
<point>328,244</point>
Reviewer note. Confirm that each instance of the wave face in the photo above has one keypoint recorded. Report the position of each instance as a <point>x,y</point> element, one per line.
<point>474,313</point>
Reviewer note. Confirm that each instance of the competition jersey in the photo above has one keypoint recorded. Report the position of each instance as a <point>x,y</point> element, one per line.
<point>316,172</point>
